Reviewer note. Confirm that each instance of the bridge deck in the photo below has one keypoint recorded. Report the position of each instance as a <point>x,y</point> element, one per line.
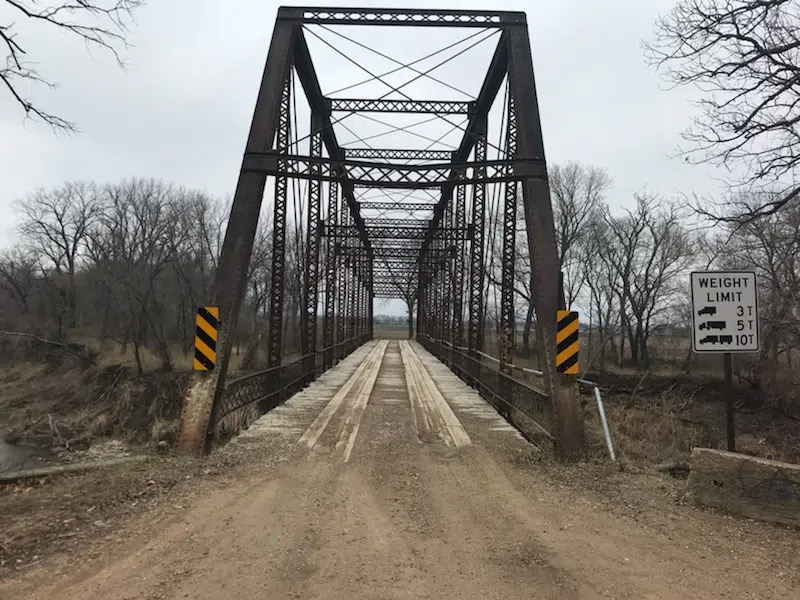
<point>397,382</point>
<point>388,478</point>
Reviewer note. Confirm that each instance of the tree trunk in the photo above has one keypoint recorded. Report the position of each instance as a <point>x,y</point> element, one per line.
<point>137,355</point>
<point>526,331</point>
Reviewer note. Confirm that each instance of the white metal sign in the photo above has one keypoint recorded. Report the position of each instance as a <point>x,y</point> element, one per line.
<point>724,311</point>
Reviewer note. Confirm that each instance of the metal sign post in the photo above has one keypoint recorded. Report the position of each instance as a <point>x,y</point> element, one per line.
<point>725,320</point>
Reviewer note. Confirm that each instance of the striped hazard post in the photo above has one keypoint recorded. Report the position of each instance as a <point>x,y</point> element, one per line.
<point>205,338</point>
<point>567,342</point>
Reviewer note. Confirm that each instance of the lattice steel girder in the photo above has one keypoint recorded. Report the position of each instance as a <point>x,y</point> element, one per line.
<point>384,244</point>
<point>439,107</point>
<point>400,16</point>
<point>382,290</point>
<point>382,222</point>
<point>405,255</point>
<point>476,264</point>
<point>491,85</point>
<point>393,233</point>
<point>404,265</point>
<point>509,246</point>
<point>460,220</point>
<point>398,154</point>
<point>402,279</point>
<point>404,206</point>
<point>408,253</point>
<point>311,291</point>
<point>331,261</point>
<point>385,175</point>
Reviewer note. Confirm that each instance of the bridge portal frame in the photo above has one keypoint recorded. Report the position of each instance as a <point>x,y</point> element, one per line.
<point>266,154</point>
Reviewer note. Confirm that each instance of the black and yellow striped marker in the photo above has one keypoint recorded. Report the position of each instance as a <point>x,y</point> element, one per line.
<point>567,342</point>
<point>205,338</point>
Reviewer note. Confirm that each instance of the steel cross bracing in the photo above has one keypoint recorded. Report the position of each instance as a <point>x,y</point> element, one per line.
<point>355,246</point>
<point>398,154</point>
<point>383,175</point>
<point>439,107</point>
<point>395,206</point>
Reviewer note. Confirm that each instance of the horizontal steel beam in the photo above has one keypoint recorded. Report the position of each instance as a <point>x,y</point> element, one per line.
<point>381,222</point>
<point>386,175</point>
<point>394,233</point>
<point>397,244</point>
<point>400,16</point>
<point>399,253</point>
<point>400,206</point>
<point>437,107</point>
<point>398,154</point>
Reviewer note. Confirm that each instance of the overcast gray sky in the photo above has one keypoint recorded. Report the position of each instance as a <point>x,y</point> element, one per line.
<point>182,110</point>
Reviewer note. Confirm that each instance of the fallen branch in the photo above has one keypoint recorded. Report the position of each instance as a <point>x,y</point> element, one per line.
<point>636,389</point>
<point>675,465</point>
<point>70,468</point>
<point>82,356</point>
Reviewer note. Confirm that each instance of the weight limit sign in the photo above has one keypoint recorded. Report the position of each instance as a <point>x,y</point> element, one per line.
<point>724,311</point>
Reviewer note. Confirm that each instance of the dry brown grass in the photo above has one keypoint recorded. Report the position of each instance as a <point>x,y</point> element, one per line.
<point>49,398</point>
<point>70,408</point>
<point>113,353</point>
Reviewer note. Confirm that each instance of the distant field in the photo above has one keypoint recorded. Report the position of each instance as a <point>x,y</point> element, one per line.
<point>391,332</point>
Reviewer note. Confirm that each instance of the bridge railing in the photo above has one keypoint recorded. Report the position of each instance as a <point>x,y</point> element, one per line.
<point>509,395</point>
<point>248,397</point>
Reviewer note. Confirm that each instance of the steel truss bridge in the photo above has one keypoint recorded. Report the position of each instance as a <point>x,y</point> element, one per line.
<point>425,238</point>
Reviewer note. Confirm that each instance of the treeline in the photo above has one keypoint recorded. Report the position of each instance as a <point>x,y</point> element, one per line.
<point>628,271</point>
<point>127,263</point>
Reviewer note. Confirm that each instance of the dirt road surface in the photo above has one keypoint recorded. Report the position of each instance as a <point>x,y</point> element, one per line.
<point>405,485</point>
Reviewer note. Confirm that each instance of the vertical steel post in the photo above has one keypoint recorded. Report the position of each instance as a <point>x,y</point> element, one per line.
<point>341,320</point>
<point>509,244</point>
<point>311,291</point>
<point>476,275</point>
<point>371,299</point>
<point>278,268</point>
<point>329,325</point>
<point>459,264</point>
<point>205,389</point>
<point>540,229</point>
<point>445,266</point>
<point>351,300</point>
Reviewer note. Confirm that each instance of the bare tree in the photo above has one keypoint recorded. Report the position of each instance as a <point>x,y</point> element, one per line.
<point>647,250</point>
<point>18,275</point>
<point>98,23</point>
<point>603,290</point>
<point>259,282</point>
<point>407,289</point>
<point>745,57</point>
<point>770,246</point>
<point>137,240</point>
<point>576,192</point>
<point>56,224</point>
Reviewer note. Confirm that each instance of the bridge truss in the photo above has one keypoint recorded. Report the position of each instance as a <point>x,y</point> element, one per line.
<point>433,226</point>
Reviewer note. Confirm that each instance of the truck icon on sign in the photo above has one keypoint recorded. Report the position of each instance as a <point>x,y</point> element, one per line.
<point>707,310</point>
<point>712,325</point>
<point>710,339</point>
